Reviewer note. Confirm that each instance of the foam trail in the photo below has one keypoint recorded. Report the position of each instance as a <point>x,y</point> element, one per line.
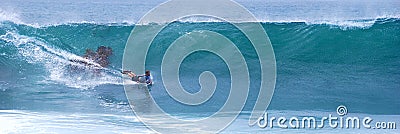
<point>56,62</point>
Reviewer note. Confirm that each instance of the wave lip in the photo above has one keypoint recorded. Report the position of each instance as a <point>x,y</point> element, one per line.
<point>347,24</point>
<point>342,24</point>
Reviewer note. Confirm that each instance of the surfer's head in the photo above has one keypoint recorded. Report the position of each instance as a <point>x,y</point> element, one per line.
<point>147,73</point>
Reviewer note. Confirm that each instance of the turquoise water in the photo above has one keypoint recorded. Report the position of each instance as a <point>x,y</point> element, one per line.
<point>321,64</point>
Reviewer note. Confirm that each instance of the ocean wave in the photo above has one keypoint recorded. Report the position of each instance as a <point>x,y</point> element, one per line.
<point>310,57</point>
<point>14,17</point>
<point>343,24</point>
